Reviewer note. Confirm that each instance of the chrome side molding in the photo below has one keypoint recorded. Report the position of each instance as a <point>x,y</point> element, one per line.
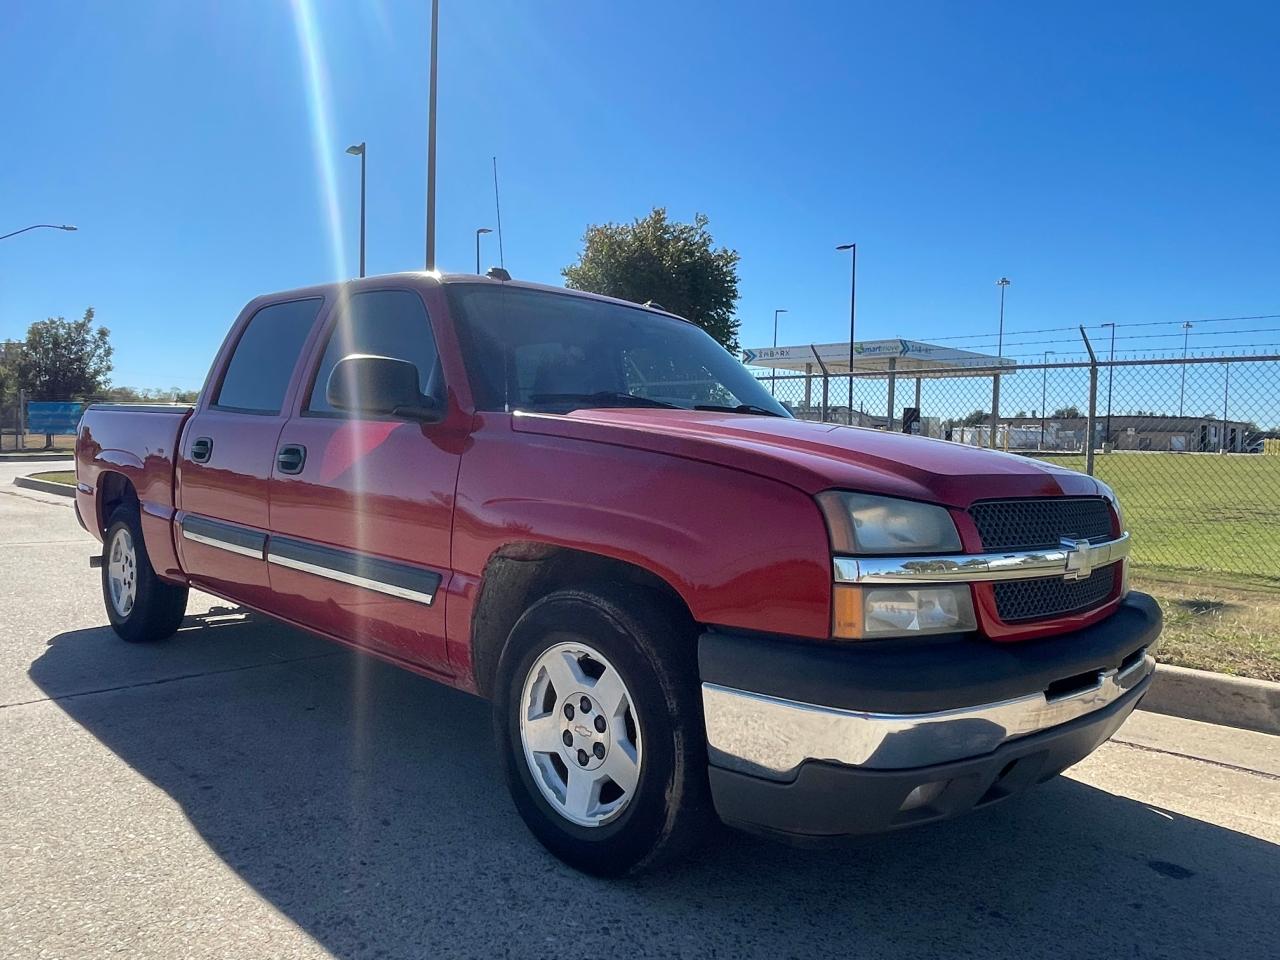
<point>1076,559</point>
<point>230,537</point>
<point>394,579</point>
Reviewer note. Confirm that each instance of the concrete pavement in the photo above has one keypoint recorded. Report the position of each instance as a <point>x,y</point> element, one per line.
<point>248,791</point>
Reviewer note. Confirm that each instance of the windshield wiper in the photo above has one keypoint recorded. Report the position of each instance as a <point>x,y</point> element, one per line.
<point>740,408</point>
<point>602,398</point>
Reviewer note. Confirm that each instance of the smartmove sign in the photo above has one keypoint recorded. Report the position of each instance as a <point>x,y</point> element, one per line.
<point>908,356</point>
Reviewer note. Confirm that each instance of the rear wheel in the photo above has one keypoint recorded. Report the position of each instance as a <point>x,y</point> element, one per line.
<point>140,606</point>
<point>599,727</point>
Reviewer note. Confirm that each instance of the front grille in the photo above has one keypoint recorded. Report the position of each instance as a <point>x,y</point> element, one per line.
<point>1041,524</point>
<point>1044,597</point>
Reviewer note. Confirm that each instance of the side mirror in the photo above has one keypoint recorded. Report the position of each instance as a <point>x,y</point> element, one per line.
<point>362,383</point>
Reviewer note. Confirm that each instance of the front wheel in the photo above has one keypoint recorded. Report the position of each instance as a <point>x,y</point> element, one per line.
<point>599,728</point>
<point>140,606</point>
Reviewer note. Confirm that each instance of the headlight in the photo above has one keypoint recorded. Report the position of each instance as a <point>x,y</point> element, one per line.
<point>870,613</point>
<point>862,524</point>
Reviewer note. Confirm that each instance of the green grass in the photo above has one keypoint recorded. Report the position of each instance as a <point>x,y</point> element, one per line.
<point>1212,624</point>
<point>58,476</point>
<point>1198,513</point>
<point>1206,544</point>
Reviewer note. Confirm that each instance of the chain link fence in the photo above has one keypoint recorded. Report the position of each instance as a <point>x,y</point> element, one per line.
<point>22,432</point>
<point>1191,446</point>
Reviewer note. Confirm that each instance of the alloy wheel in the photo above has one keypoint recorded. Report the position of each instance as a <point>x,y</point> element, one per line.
<point>122,572</point>
<point>580,733</point>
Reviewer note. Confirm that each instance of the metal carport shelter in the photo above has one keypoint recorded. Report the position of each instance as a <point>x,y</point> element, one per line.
<point>888,358</point>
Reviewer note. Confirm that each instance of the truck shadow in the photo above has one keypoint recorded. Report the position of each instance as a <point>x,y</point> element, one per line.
<point>364,804</point>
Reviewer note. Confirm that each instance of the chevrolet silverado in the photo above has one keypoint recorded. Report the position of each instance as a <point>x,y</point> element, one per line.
<point>681,601</point>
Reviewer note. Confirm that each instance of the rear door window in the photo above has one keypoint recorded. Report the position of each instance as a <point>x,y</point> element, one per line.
<point>262,362</point>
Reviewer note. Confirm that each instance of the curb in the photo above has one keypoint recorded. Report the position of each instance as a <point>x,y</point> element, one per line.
<point>40,456</point>
<point>45,486</point>
<point>1214,698</point>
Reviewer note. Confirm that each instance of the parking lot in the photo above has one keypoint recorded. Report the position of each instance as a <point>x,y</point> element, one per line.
<point>245,790</point>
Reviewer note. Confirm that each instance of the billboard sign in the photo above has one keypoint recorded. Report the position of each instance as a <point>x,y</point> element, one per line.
<point>53,416</point>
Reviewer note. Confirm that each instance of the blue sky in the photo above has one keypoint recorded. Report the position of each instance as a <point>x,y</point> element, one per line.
<point>1117,161</point>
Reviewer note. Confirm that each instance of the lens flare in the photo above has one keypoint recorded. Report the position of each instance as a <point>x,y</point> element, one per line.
<point>318,109</point>
<point>326,153</point>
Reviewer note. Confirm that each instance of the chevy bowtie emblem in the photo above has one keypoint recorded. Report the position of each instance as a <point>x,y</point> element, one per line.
<point>1079,559</point>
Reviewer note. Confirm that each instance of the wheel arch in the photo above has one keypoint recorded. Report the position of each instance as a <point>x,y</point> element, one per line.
<point>114,489</point>
<point>518,574</point>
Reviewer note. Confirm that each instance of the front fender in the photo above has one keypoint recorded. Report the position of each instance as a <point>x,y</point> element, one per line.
<point>740,550</point>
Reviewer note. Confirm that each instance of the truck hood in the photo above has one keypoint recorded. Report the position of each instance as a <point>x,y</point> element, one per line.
<point>819,456</point>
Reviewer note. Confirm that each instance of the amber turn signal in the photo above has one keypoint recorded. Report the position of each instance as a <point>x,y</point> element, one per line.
<point>846,611</point>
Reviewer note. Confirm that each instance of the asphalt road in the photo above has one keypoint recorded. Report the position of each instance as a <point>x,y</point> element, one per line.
<point>247,791</point>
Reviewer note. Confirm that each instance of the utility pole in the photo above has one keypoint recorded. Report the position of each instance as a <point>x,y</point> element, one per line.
<point>1111,371</point>
<point>853,311</point>
<point>358,150</point>
<point>773,380</point>
<point>1002,283</point>
<point>1226,394</point>
<point>431,139</point>
<point>1182,387</point>
<point>479,231</point>
<point>1044,388</point>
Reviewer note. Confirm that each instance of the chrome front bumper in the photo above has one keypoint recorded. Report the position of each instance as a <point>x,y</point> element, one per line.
<point>768,737</point>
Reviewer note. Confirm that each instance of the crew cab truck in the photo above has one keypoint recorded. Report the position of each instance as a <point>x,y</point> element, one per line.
<point>681,601</point>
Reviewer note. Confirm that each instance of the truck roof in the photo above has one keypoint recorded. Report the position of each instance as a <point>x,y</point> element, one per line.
<point>436,278</point>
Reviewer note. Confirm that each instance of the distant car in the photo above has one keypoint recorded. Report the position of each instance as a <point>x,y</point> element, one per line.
<point>679,599</point>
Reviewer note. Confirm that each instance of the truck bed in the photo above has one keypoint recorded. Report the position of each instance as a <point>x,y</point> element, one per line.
<point>139,442</point>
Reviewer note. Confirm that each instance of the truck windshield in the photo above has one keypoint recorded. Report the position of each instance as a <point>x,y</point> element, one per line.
<point>539,350</point>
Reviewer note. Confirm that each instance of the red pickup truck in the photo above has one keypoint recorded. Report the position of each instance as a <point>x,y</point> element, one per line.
<point>681,601</point>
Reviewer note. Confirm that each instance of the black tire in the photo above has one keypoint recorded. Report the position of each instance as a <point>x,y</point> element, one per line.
<point>653,648</point>
<point>158,607</point>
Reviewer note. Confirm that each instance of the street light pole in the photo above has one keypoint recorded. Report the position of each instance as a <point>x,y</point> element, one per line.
<point>1044,389</point>
<point>1111,370</point>
<point>1002,283</point>
<point>357,150</point>
<point>431,139</point>
<point>37,226</point>
<point>775,325</point>
<point>853,311</point>
<point>773,380</point>
<point>479,230</point>
<point>1182,388</point>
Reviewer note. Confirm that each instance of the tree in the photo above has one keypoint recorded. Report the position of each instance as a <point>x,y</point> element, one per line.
<point>977,418</point>
<point>150,395</point>
<point>1067,412</point>
<point>64,359</point>
<point>670,263</point>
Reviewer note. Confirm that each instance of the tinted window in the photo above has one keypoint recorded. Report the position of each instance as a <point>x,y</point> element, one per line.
<point>530,349</point>
<point>263,361</point>
<point>386,323</point>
